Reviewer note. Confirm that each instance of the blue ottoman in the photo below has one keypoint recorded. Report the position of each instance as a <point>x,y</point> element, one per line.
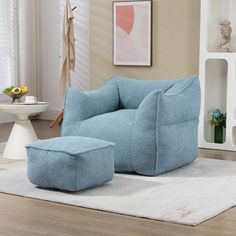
<point>70,163</point>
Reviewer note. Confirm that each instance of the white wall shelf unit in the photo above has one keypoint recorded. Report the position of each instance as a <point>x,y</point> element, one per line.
<point>217,73</point>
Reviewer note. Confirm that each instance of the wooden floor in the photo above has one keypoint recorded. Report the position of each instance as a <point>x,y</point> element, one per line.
<point>41,127</point>
<point>22,217</point>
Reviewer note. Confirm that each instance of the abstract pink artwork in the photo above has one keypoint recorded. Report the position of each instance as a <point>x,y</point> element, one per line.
<point>132,33</point>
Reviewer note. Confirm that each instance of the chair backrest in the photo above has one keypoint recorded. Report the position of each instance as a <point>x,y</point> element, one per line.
<point>132,91</point>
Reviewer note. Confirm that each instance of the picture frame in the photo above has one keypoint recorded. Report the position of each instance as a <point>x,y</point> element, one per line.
<point>132,33</point>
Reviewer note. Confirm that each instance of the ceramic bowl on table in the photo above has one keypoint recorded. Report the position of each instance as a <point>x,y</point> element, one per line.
<point>15,96</point>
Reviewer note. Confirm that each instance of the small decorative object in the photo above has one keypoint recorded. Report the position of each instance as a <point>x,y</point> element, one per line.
<point>132,33</point>
<point>226,31</point>
<point>15,92</point>
<point>31,100</point>
<point>218,120</point>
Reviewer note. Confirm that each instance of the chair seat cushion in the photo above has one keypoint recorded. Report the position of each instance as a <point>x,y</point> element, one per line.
<point>116,127</point>
<point>70,163</point>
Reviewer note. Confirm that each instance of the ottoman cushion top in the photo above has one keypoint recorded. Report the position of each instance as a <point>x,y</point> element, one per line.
<point>69,145</point>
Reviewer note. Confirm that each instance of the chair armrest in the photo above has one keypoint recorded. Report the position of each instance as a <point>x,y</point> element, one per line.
<point>181,102</point>
<point>165,127</point>
<point>144,145</point>
<point>80,105</point>
<point>178,104</point>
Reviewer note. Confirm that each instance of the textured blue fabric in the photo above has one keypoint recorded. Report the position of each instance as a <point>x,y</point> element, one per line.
<point>120,123</point>
<point>70,163</point>
<point>132,92</point>
<point>169,122</point>
<point>145,135</point>
<point>88,104</point>
<point>153,123</point>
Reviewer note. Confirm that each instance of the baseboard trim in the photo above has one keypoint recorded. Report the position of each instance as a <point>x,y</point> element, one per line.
<point>2,146</point>
<point>49,115</point>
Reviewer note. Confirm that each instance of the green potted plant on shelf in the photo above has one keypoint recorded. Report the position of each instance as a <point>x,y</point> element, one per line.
<point>218,120</point>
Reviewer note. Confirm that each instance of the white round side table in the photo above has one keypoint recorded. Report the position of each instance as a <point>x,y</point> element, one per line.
<point>22,132</point>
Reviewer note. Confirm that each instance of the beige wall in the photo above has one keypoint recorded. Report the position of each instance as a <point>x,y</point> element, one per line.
<point>175,41</point>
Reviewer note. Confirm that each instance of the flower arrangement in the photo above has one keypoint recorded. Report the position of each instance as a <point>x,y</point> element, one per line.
<point>218,118</point>
<point>15,92</point>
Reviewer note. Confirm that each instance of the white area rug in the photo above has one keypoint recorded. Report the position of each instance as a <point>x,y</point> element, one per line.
<point>189,195</point>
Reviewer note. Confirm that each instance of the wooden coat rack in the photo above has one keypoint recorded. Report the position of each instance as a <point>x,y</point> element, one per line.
<point>59,118</point>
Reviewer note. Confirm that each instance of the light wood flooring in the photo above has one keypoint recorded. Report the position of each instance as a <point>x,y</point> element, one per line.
<point>27,217</point>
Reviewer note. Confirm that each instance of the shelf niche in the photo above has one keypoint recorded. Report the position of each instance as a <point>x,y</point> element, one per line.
<point>217,11</point>
<point>234,114</point>
<point>215,93</point>
<point>234,135</point>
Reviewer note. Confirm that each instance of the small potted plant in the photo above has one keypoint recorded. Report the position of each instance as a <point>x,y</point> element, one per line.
<point>218,120</point>
<point>15,92</point>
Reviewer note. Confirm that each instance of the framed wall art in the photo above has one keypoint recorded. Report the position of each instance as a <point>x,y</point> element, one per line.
<point>132,33</point>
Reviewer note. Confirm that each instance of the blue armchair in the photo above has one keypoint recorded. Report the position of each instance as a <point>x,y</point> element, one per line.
<point>153,123</point>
